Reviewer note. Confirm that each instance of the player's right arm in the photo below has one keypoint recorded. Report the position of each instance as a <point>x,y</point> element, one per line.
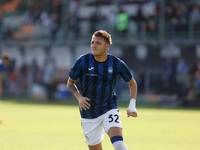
<point>83,101</point>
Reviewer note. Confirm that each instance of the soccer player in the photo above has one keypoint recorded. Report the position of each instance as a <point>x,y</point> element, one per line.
<point>97,72</point>
<point>4,61</point>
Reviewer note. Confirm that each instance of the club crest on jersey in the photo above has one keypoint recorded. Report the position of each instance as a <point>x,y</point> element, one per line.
<point>110,70</point>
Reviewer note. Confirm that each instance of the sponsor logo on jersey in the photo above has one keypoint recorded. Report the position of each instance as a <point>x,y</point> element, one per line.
<point>91,74</point>
<point>91,68</point>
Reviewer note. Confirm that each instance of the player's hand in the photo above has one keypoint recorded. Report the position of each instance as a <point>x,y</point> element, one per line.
<point>83,103</point>
<point>132,111</point>
<point>132,114</point>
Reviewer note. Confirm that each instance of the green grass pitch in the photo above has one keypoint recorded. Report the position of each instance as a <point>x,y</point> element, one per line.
<point>39,126</point>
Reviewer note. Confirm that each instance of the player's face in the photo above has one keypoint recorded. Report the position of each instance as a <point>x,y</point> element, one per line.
<point>98,46</point>
<point>6,61</point>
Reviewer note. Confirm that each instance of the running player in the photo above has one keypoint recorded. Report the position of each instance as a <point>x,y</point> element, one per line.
<point>97,72</point>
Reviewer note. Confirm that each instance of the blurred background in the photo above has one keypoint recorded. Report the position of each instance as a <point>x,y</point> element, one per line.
<point>158,39</point>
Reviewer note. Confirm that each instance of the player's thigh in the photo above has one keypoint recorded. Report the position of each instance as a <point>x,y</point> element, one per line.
<point>112,121</point>
<point>93,131</point>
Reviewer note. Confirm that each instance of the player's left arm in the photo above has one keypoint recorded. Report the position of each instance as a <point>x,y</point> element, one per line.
<point>132,111</point>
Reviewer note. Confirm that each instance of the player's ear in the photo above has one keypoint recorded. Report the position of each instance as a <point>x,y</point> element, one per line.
<point>107,46</point>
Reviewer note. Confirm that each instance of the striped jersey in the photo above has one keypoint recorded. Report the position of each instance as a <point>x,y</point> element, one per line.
<point>97,81</point>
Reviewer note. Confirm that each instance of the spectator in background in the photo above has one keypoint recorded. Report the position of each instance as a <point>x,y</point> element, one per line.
<point>12,78</point>
<point>183,17</point>
<point>23,78</point>
<point>176,15</point>
<point>73,23</point>
<point>111,19</point>
<point>142,30</point>
<point>195,18</point>
<point>56,18</point>
<point>3,63</point>
<point>197,2</point>
<point>141,79</point>
<point>193,92</point>
<point>171,19</point>
<point>122,22</point>
<point>195,15</point>
<point>33,70</point>
<point>189,89</point>
<point>27,18</point>
<point>55,25</point>
<point>73,6</point>
<point>184,14</point>
<point>151,28</point>
<point>48,73</point>
<point>96,19</point>
<point>169,75</point>
<point>73,18</point>
<point>140,17</point>
<point>169,12</point>
<point>46,22</point>
<point>182,69</point>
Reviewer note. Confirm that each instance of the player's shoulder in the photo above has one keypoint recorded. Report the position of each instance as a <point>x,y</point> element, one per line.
<point>81,57</point>
<point>115,58</point>
<point>84,56</point>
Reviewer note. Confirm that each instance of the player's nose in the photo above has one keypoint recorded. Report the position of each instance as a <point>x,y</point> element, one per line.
<point>94,45</point>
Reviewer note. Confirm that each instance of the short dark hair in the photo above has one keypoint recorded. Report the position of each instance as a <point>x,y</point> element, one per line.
<point>105,35</point>
<point>6,56</point>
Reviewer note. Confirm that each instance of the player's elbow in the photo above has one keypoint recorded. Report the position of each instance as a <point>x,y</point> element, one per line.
<point>132,83</point>
<point>70,82</point>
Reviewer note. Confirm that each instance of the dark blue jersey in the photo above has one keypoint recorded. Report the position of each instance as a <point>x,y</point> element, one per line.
<point>2,66</point>
<point>97,81</point>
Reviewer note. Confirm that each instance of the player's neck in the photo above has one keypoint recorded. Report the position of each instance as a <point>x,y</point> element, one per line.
<point>101,58</point>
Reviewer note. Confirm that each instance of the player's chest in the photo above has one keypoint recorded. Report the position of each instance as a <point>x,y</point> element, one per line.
<point>101,72</point>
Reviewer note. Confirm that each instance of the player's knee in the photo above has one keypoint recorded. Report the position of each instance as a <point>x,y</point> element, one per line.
<point>118,143</point>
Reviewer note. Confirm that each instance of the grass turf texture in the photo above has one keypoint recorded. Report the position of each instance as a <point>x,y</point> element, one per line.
<point>29,124</point>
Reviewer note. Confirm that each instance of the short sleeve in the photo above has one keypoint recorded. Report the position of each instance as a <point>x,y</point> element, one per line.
<point>76,69</point>
<point>125,72</point>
